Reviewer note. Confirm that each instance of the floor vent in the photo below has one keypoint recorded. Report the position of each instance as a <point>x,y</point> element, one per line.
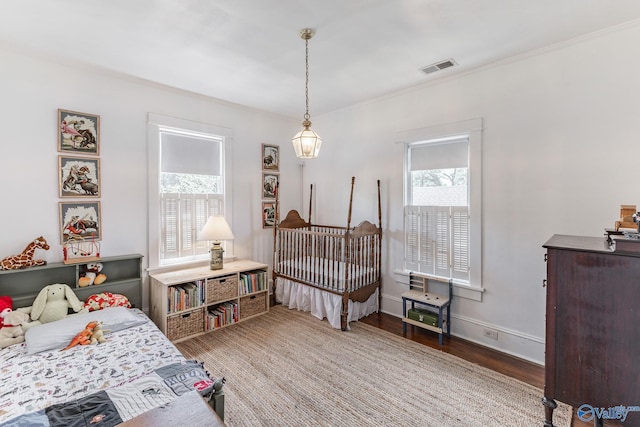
<point>438,66</point>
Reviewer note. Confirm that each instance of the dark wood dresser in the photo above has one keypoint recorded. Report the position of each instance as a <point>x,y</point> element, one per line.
<point>592,350</point>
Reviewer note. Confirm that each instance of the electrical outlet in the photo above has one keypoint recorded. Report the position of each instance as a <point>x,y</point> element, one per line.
<point>491,333</point>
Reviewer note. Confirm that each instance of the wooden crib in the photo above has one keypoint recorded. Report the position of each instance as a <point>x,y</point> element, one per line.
<point>343,261</point>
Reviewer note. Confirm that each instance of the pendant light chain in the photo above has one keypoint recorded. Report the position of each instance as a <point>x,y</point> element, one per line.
<point>306,84</point>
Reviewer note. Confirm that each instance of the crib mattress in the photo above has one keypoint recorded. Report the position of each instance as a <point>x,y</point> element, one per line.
<point>323,272</point>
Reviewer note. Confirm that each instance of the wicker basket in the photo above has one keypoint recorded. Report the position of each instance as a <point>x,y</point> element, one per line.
<point>251,305</point>
<point>222,289</point>
<point>185,324</point>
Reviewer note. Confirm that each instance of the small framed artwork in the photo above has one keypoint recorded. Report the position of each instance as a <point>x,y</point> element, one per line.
<point>80,221</point>
<point>270,157</point>
<point>79,176</point>
<point>268,214</point>
<point>269,185</point>
<point>78,132</point>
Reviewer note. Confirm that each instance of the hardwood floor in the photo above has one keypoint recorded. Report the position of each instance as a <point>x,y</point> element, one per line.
<point>520,369</point>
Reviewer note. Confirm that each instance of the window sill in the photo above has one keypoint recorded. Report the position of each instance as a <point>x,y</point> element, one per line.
<point>459,290</point>
<point>183,265</point>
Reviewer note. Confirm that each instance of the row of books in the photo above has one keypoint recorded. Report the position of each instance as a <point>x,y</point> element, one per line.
<point>222,315</point>
<point>186,296</point>
<point>253,282</point>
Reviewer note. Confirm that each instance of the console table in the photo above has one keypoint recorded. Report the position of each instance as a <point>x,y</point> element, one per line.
<point>592,333</point>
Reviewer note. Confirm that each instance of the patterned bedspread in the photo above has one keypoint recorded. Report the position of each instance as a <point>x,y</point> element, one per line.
<point>130,358</point>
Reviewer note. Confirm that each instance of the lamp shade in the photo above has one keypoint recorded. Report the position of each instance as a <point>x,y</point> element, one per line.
<point>216,228</point>
<point>307,143</point>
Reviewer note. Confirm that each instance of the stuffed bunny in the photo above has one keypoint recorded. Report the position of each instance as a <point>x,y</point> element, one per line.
<point>53,303</point>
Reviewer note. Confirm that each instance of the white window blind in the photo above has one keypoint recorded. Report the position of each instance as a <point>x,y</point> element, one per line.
<point>190,190</point>
<point>183,215</point>
<point>437,222</point>
<point>189,170</point>
<point>437,240</point>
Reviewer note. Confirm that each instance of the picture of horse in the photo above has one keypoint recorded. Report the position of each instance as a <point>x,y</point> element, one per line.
<point>270,157</point>
<point>80,221</point>
<point>269,185</point>
<point>79,176</point>
<point>78,132</point>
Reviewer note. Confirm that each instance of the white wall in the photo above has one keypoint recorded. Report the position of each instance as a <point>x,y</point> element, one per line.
<point>34,88</point>
<point>559,157</point>
<point>560,153</point>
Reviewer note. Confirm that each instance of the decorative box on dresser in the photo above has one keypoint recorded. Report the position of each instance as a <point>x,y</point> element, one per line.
<point>192,301</point>
<point>592,327</point>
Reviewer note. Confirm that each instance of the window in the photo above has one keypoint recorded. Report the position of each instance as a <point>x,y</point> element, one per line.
<point>442,204</point>
<point>187,171</point>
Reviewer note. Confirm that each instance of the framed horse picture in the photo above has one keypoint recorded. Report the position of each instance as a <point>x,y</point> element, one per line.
<point>269,185</point>
<point>78,133</point>
<point>79,176</point>
<point>268,214</point>
<point>270,157</point>
<point>80,221</point>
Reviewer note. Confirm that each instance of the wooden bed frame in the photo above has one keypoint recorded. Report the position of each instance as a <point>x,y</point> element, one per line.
<point>344,261</point>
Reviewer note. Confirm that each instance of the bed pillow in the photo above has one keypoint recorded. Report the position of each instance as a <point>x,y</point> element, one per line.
<point>59,333</point>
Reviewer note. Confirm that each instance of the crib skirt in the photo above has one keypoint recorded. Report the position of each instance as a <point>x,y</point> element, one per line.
<point>320,303</point>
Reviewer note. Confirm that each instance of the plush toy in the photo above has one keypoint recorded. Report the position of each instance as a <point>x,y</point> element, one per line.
<point>97,336</point>
<point>25,258</point>
<point>83,337</point>
<point>6,304</point>
<point>53,303</point>
<point>106,299</point>
<point>12,331</point>
<point>92,275</point>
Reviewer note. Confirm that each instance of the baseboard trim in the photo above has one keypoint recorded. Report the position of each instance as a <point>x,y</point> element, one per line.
<point>512,342</point>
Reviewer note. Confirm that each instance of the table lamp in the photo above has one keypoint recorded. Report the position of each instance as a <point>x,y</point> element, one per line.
<point>216,229</point>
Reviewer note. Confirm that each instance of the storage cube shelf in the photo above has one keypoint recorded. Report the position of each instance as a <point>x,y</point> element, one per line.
<point>193,301</point>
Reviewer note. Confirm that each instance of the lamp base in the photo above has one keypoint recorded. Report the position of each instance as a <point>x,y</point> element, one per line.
<point>216,256</point>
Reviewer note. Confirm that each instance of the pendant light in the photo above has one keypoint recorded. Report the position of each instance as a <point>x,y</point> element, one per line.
<point>306,143</point>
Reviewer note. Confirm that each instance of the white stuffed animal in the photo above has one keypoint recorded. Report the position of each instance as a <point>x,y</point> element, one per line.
<point>53,303</point>
<point>12,331</point>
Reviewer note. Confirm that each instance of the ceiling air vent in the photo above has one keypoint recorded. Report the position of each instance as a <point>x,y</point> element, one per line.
<point>438,66</point>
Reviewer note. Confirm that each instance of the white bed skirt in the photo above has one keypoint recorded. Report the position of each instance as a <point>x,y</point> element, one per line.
<point>320,303</point>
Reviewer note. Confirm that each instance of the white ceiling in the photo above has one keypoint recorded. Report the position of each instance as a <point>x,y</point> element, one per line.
<point>249,51</point>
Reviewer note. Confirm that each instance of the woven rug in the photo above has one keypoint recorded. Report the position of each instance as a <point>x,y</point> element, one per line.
<point>287,368</point>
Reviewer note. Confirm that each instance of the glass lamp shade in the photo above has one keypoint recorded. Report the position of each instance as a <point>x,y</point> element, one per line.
<point>307,144</point>
<point>216,229</point>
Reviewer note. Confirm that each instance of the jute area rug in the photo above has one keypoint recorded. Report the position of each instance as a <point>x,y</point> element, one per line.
<point>287,368</point>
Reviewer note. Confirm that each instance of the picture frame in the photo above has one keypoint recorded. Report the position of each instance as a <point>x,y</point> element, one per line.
<point>79,176</point>
<point>78,132</point>
<point>270,157</point>
<point>269,214</point>
<point>80,221</point>
<point>269,185</point>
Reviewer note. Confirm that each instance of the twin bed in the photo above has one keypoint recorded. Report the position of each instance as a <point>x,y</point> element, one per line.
<point>136,370</point>
<point>331,271</point>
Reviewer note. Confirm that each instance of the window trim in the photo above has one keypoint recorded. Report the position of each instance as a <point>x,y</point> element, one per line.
<point>155,123</point>
<point>473,130</point>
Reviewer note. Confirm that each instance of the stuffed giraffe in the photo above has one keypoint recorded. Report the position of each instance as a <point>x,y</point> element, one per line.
<point>25,258</point>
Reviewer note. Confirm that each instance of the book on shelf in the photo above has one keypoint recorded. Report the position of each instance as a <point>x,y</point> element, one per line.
<point>253,281</point>
<point>185,296</point>
<point>222,315</point>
